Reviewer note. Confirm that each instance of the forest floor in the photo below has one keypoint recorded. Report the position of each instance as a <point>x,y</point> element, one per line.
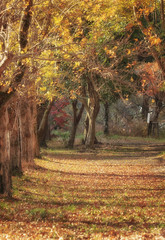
<point>116,191</point>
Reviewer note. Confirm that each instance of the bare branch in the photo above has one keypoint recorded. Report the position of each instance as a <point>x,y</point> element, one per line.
<point>5,62</point>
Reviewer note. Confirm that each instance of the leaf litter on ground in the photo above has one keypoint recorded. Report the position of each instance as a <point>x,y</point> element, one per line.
<point>114,192</point>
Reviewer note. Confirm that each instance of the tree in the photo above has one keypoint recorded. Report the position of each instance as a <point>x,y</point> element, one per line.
<point>77,114</point>
<point>20,41</point>
<point>43,124</point>
<point>7,91</point>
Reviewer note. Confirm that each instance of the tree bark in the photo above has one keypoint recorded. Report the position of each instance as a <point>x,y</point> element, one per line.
<point>155,13</point>
<point>15,150</point>
<point>86,127</point>
<point>106,118</point>
<point>27,126</point>
<point>153,126</point>
<point>6,95</point>
<point>162,15</point>
<point>75,122</point>
<point>5,163</point>
<point>43,124</point>
<point>5,62</point>
<point>92,112</point>
<point>145,107</point>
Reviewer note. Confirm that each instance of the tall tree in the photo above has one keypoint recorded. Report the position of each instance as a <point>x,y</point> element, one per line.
<point>7,92</point>
<point>77,114</point>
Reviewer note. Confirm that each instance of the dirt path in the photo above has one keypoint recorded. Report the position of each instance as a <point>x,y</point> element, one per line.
<point>113,192</point>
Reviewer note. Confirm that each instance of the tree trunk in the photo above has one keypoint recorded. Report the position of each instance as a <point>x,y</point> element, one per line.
<point>162,15</point>
<point>106,118</point>
<point>155,13</point>
<point>15,150</point>
<point>145,107</point>
<point>92,108</point>
<point>6,97</point>
<point>27,126</point>
<point>92,112</point>
<point>153,126</point>
<point>91,130</point>
<point>5,163</point>
<point>43,125</point>
<point>75,122</point>
<point>86,127</point>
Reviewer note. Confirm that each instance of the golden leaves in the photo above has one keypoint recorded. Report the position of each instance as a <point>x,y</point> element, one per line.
<point>128,51</point>
<point>77,64</point>
<point>154,40</point>
<point>130,65</point>
<point>129,26</point>
<point>10,90</point>
<point>132,80</point>
<point>110,52</point>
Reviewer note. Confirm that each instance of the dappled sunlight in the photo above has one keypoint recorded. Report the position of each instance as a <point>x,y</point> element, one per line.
<point>88,196</point>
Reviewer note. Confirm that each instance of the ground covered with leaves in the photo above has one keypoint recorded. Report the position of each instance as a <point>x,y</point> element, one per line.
<point>116,191</point>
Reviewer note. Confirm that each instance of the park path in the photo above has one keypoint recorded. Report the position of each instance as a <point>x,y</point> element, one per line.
<point>113,192</point>
<point>116,154</point>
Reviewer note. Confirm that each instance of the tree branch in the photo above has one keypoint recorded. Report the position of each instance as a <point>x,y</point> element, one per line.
<point>5,62</point>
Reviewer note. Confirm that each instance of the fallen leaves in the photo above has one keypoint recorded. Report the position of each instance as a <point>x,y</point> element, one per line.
<point>110,193</point>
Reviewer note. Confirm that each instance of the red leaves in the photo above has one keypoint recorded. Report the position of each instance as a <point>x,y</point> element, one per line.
<point>150,78</point>
<point>58,113</point>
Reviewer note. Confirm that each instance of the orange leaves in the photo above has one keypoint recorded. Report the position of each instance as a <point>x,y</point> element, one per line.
<point>154,40</point>
<point>129,26</point>
<point>128,52</point>
<point>143,83</point>
<point>148,10</point>
<point>110,52</point>
<point>114,193</point>
<point>84,42</point>
<point>130,65</point>
<point>132,80</point>
<point>9,90</point>
<point>136,40</point>
<point>151,36</point>
<point>150,78</point>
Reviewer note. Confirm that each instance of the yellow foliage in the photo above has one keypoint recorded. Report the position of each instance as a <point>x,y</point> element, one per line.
<point>9,90</point>
<point>77,64</point>
<point>43,89</point>
<point>128,52</point>
<point>132,80</point>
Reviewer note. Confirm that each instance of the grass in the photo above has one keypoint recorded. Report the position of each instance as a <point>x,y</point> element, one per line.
<point>131,138</point>
<point>88,195</point>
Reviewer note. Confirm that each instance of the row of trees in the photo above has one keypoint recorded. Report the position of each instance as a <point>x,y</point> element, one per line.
<point>89,51</point>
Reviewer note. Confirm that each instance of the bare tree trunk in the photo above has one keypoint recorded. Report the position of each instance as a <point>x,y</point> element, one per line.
<point>106,118</point>
<point>15,150</point>
<point>86,127</point>
<point>153,127</point>
<point>92,112</point>
<point>43,124</point>
<point>162,15</point>
<point>33,129</point>
<point>91,131</point>
<point>145,107</point>
<point>76,120</point>
<point>92,106</point>
<point>5,163</point>
<point>155,13</point>
<point>27,126</point>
